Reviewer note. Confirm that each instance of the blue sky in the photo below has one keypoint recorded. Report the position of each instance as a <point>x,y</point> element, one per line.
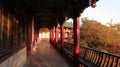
<point>104,11</point>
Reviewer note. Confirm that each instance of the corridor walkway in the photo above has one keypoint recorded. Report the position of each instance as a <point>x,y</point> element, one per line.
<point>44,55</point>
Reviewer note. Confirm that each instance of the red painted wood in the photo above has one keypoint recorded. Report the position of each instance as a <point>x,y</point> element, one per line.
<point>29,40</point>
<point>62,35</point>
<point>76,36</point>
<point>56,35</point>
<point>52,34</point>
<point>76,49</point>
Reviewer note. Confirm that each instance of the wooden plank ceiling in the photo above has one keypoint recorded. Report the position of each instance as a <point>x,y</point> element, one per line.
<point>47,13</point>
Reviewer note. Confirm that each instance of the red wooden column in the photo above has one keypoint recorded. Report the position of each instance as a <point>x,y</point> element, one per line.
<point>76,50</point>
<point>56,35</point>
<point>76,27</point>
<point>29,19</point>
<point>29,41</point>
<point>50,35</point>
<point>53,35</point>
<point>62,35</point>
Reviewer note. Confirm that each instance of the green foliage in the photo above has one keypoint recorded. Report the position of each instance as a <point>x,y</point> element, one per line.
<point>68,24</point>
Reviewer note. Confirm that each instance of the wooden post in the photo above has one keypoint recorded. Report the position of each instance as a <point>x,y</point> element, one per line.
<point>50,35</point>
<point>56,35</point>
<point>62,35</point>
<point>76,27</point>
<point>29,40</point>
<point>76,50</point>
<point>29,20</point>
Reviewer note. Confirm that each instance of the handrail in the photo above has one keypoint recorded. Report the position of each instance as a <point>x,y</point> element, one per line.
<point>99,58</point>
<point>92,57</point>
<point>70,54</point>
<point>100,51</point>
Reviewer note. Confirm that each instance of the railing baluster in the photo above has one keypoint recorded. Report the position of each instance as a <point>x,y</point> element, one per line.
<point>119,62</point>
<point>104,60</point>
<point>116,62</point>
<point>96,57</point>
<point>108,60</point>
<point>97,63</point>
<point>106,56</point>
<point>93,57</point>
<point>86,57</point>
<point>89,55</point>
<point>81,53</point>
<point>85,54</point>
<point>101,59</point>
<point>112,60</point>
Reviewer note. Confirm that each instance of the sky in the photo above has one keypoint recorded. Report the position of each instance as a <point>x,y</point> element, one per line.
<point>104,12</point>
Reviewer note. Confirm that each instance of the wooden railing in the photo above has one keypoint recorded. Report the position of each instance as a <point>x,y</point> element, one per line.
<point>93,58</point>
<point>98,58</point>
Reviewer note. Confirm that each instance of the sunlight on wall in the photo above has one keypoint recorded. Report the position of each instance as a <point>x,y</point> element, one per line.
<point>44,35</point>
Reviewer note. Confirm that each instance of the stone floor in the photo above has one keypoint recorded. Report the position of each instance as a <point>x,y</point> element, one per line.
<point>44,55</point>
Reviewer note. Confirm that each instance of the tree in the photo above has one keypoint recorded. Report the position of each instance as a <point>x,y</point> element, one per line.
<point>96,35</point>
<point>117,27</point>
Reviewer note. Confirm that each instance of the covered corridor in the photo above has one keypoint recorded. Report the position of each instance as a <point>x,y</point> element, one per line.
<point>45,55</point>
<point>20,23</point>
